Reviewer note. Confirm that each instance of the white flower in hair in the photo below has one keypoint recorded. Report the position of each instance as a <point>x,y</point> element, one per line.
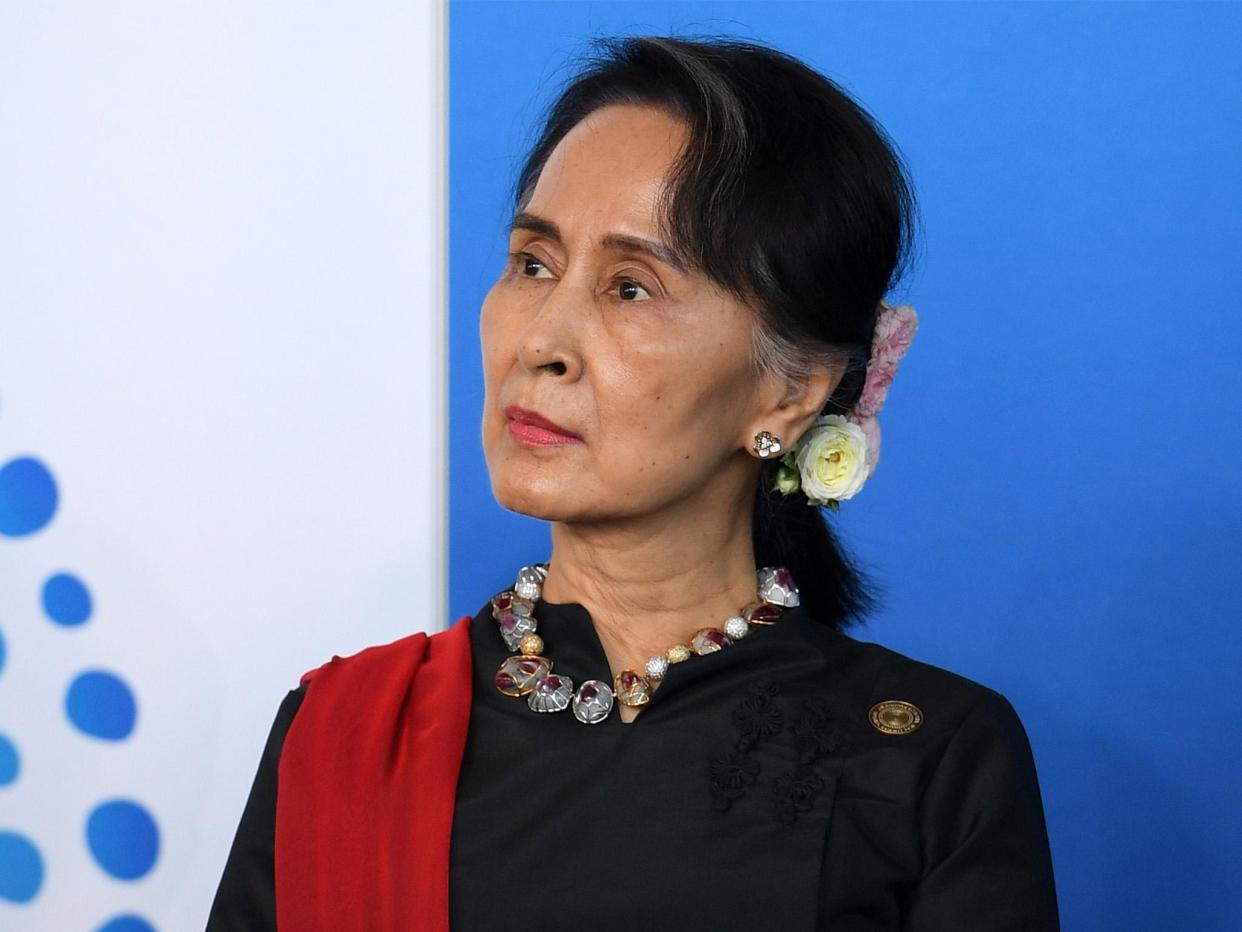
<point>831,459</point>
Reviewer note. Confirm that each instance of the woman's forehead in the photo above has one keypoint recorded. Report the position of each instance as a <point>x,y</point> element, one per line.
<point>610,169</point>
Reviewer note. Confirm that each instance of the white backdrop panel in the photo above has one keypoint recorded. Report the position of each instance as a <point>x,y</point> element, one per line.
<point>221,334</point>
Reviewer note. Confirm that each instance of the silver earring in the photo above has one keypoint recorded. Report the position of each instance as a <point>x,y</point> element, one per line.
<point>766,445</point>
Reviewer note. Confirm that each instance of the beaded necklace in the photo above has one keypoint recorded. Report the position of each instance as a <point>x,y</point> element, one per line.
<point>529,673</point>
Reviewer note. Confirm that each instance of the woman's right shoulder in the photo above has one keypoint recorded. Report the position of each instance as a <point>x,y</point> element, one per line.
<point>365,670</point>
<point>371,659</point>
<point>395,657</point>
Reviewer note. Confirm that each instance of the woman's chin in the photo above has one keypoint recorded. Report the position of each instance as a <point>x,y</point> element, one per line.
<point>533,496</point>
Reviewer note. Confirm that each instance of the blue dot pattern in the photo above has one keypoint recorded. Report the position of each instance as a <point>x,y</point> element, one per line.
<point>123,838</point>
<point>99,704</point>
<point>127,923</point>
<point>21,868</point>
<point>10,763</point>
<point>121,834</point>
<point>27,496</point>
<point>66,600</point>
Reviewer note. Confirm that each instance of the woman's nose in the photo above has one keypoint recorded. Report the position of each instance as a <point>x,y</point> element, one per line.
<point>551,342</point>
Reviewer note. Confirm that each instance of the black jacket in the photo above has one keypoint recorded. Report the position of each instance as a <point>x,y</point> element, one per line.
<point>799,779</point>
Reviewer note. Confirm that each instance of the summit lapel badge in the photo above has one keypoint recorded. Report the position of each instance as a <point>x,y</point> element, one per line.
<point>895,717</point>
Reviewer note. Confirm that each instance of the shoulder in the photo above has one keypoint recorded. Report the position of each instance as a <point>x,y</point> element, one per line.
<point>382,683</point>
<point>893,695</point>
<point>370,660</point>
<point>946,688</point>
<point>398,657</point>
<point>940,777</point>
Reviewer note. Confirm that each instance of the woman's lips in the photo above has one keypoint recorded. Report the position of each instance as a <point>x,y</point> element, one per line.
<point>531,429</point>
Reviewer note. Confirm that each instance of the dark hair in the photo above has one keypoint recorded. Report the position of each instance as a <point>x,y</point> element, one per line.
<point>791,198</point>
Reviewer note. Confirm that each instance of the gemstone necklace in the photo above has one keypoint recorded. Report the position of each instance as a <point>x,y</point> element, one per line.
<point>528,673</point>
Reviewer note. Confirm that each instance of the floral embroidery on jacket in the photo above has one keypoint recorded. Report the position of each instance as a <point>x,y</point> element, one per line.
<point>731,773</point>
<point>756,717</point>
<point>794,792</point>
<point>815,732</point>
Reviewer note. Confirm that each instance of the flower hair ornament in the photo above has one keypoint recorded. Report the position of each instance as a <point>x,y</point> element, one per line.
<point>832,460</point>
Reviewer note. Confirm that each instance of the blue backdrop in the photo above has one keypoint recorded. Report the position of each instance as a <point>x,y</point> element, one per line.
<point>1058,496</point>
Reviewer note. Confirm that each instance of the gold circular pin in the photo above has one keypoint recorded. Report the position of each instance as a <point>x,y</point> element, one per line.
<point>895,717</point>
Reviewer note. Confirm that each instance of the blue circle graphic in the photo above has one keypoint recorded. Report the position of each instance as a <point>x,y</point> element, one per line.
<point>101,705</point>
<point>66,600</point>
<point>127,923</point>
<point>123,838</point>
<point>10,763</point>
<point>21,868</point>
<point>27,496</point>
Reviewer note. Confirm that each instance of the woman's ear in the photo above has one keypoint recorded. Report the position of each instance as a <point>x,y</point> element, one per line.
<point>799,400</point>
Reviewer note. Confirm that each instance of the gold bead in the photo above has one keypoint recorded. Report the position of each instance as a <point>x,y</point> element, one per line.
<point>531,644</point>
<point>677,653</point>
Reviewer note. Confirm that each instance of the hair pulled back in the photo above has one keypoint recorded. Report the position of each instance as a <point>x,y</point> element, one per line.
<point>791,198</point>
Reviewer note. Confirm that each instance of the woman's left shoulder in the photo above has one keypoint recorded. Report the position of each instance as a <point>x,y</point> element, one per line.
<point>904,696</point>
<point>939,774</point>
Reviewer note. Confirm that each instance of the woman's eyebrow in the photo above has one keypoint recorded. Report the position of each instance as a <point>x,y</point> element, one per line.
<point>525,220</point>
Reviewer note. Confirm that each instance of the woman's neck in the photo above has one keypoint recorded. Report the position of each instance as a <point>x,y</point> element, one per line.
<point>647,590</point>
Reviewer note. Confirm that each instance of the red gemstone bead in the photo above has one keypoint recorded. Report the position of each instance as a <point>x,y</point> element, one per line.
<point>631,688</point>
<point>762,613</point>
<point>709,640</point>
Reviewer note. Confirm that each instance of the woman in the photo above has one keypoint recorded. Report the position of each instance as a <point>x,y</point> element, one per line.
<point>663,723</point>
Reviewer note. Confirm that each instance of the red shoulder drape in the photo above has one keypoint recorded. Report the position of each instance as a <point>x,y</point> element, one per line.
<point>366,787</point>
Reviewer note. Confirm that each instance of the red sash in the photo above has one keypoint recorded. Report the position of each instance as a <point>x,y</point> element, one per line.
<point>367,786</point>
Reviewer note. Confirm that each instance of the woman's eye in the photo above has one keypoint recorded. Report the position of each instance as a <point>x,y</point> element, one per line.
<point>628,288</point>
<point>526,262</point>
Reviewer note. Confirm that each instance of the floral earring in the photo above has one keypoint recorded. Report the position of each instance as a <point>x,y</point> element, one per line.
<point>766,445</point>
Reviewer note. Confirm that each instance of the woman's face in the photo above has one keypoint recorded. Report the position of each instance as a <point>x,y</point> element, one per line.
<point>647,364</point>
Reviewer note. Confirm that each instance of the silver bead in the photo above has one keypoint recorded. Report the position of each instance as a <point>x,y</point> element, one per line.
<point>592,702</point>
<point>529,583</point>
<point>657,666</point>
<point>551,693</point>
<point>777,587</point>
<point>737,627</point>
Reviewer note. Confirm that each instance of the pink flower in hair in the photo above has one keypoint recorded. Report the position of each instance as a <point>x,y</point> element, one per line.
<point>894,331</point>
<point>871,430</point>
